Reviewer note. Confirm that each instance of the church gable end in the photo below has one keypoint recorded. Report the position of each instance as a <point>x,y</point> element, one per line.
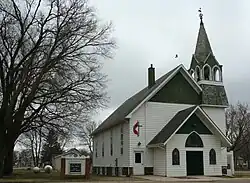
<point>194,124</point>
<point>177,90</point>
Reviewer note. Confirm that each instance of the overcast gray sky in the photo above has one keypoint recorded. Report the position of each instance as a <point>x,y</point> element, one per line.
<point>154,31</point>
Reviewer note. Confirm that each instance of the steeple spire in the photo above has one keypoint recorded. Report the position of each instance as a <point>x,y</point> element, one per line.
<point>204,67</point>
<point>203,48</point>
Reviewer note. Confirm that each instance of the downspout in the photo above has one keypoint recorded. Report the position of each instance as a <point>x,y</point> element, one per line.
<point>165,161</point>
<point>145,122</point>
<point>145,117</point>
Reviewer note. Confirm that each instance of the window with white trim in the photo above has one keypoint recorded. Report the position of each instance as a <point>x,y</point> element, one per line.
<point>212,157</point>
<point>111,142</point>
<point>175,157</point>
<point>102,149</point>
<point>96,144</point>
<point>103,145</point>
<point>121,139</point>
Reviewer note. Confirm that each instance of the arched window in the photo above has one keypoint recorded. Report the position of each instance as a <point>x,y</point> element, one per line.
<point>197,70</point>
<point>206,72</point>
<point>212,157</point>
<point>194,140</point>
<point>175,157</point>
<point>192,73</point>
<point>217,73</point>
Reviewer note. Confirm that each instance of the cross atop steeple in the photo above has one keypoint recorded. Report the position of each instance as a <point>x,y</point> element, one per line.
<point>200,15</point>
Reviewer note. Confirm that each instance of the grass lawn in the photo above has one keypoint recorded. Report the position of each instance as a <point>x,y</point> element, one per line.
<point>242,174</point>
<point>239,174</point>
<point>30,177</point>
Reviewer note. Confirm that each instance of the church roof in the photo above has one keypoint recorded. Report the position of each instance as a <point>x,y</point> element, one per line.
<point>119,115</point>
<point>179,119</point>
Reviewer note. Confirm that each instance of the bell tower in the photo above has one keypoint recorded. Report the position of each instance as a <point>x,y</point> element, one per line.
<point>207,71</point>
<point>204,66</point>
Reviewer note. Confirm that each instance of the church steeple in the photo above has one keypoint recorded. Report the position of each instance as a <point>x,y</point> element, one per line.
<point>207,71</point>
<point>203,48</point>
<point>204,66</point>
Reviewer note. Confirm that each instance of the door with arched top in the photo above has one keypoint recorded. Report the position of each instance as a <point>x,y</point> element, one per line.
<point>194,155</point>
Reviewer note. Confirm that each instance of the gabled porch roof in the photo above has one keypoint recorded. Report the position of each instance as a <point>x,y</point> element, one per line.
<point>170,129</point>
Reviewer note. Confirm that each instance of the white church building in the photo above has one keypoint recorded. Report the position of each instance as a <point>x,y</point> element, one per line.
<point>175,126</point>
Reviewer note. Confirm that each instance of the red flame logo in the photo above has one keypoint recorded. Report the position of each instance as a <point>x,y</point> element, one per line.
<point>136,128</point>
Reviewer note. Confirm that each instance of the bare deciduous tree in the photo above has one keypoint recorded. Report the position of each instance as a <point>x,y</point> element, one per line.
<point>238,130</point>
<point>33,140</point>
<point>50,52</point>
<point>85,135</point>
<point>238,126</point>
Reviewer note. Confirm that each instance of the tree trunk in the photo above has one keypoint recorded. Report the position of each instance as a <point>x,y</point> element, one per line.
<point>2,152</point>
<point>8,160</point>
<point>235,162</point>
<point>1,161</point>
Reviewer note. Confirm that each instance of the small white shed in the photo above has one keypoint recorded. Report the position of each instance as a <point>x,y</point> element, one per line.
<point>56,161</point>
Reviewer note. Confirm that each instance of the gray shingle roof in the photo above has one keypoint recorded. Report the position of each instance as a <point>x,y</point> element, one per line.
<point>118,116</point>
<point>214,95</point>
<point>203,47</point>
<point>171,126</point>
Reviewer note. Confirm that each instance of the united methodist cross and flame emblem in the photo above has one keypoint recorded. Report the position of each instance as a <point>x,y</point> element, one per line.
<point>136,128</point>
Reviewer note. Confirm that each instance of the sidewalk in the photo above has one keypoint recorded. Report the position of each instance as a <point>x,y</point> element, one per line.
<point>188,179</point>
<point>181,179</point>
<point>158,179</point>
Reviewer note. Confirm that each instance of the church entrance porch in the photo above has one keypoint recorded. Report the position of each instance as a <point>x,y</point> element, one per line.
<point>194,163</point>
<point>193,145</point>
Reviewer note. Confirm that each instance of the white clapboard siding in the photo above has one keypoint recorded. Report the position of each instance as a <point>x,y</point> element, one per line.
<point>218,116</point>
<point>158,115</point>
<point>160,162</point>
<point>177,141</point>
<point>138,115</point>
<point>153,116</point>
<point>108,160</point>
